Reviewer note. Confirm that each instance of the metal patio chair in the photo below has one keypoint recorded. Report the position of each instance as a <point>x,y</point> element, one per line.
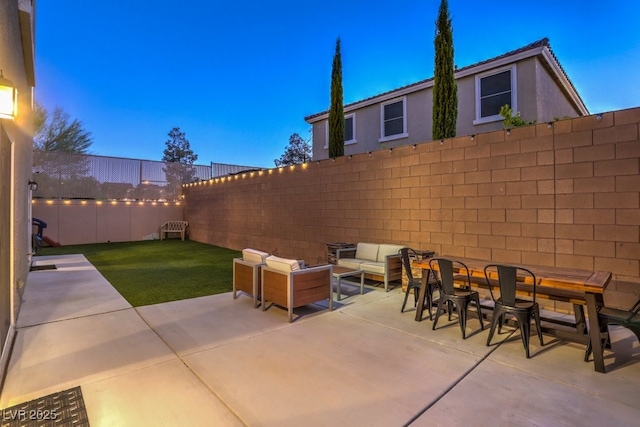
<point>461,295</point>
<point>507,303</point>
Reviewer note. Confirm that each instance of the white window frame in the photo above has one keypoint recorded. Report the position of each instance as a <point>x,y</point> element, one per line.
<point>326,134</point>
<point>353,131</point>
<point>349,142</point>
<point>514,94</point>
<point>404,134</point>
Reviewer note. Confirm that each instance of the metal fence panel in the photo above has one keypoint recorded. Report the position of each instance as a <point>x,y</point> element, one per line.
<point>83,176</point>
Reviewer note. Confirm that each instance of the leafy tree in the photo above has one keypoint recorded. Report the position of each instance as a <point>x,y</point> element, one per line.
<point>336,109</point>
<point>179,157</point>
<point>298,151</point>
<point>445,90</point>
<point>55,133</point>
<point>59,156</point>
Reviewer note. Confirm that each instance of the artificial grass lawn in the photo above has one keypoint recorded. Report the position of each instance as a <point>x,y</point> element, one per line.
<point>152,272</point>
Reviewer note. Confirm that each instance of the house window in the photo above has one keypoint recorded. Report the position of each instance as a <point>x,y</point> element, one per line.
<point>492,92</point>
<point>349,130</point>
<point>393,119</point>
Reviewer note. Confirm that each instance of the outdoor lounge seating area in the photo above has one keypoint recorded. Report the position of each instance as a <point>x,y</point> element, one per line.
<point>217,361</point>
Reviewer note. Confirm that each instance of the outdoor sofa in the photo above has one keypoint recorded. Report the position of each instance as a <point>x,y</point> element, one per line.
<point>380,262</point>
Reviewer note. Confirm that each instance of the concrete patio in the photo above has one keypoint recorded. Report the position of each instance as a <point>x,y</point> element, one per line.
<point>217,361</point>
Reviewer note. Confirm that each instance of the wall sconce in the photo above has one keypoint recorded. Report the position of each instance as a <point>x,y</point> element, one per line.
<point>391,150</point>
<point>508,131</point>
<point>549,124</point>
<point>8,99</point>
<point>442,142</point>
<point>599,116</point>
<point>473,136</point>
<point>350,156</point>
<point>33,186</point>
<point>415,146</point>
<point>369,153</point>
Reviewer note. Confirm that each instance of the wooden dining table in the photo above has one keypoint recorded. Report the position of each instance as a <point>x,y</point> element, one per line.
<point>586,286</point>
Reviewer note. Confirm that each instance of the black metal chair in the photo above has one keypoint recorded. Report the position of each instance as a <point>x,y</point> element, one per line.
<point>413,284</point>
<point>460,296</point>
<point>629,319</point>
<point>508,303</point>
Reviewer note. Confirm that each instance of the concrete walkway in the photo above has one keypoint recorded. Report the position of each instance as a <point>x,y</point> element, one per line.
<point>217,361</point>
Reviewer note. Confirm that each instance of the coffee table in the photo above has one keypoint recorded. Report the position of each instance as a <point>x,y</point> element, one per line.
<point>341,272</point>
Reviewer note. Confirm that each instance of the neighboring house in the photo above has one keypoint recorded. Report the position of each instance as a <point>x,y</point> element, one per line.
<point>17,27</point>
<point>529,79</point>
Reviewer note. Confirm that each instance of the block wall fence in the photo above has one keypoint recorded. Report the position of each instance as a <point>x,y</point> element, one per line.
<point>563,194</point>
<point>78,222</point>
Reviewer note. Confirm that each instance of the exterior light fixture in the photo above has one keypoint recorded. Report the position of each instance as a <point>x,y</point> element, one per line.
<point>508,131</point>
<point>473,136</point>
<point>414,146</point>
<point>549,124</point>
<point>33,186</point>
<point>442,142</point>
<point>8,98</point>
<point>369,153</point>
<point>599,116</point>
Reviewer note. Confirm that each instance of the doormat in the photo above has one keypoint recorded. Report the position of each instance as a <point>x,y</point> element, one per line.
<point>65,408</point>
<point>43,267</point>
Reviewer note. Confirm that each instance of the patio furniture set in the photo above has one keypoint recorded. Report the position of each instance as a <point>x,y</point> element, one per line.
<point>290,284</point>
<point>514,290</point>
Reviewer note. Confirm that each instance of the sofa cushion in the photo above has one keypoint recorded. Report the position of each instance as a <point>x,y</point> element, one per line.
<point>253,256</point>
<point>386,249</point>
<point>373,267</point>
<point>367,251</point>
<point>352,263</point>
<point>282,264</point>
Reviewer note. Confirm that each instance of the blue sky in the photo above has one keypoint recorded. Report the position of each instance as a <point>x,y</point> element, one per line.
<point>238,77</point>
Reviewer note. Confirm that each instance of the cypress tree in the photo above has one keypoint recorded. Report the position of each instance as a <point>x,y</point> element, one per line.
<point>445,90</point>
<point>336,110</point>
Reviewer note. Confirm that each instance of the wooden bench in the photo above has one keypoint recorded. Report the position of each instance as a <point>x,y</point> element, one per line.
<point>173,227</point>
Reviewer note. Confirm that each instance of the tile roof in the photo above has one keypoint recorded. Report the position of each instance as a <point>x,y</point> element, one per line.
<point>537,44</point>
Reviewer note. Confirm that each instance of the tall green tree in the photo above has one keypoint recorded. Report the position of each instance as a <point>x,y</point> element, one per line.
<point>336,109</point>
<point>179,158</point>
<point>178,148</point>
<point>445,90</point>
<point>298,151</point>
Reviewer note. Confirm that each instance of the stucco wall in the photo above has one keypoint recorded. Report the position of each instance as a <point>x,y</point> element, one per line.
<point>566,195</point>
<point>77,222</point>
<point>16,145</point>
<point>549,95</point>
<point>539,98</point>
